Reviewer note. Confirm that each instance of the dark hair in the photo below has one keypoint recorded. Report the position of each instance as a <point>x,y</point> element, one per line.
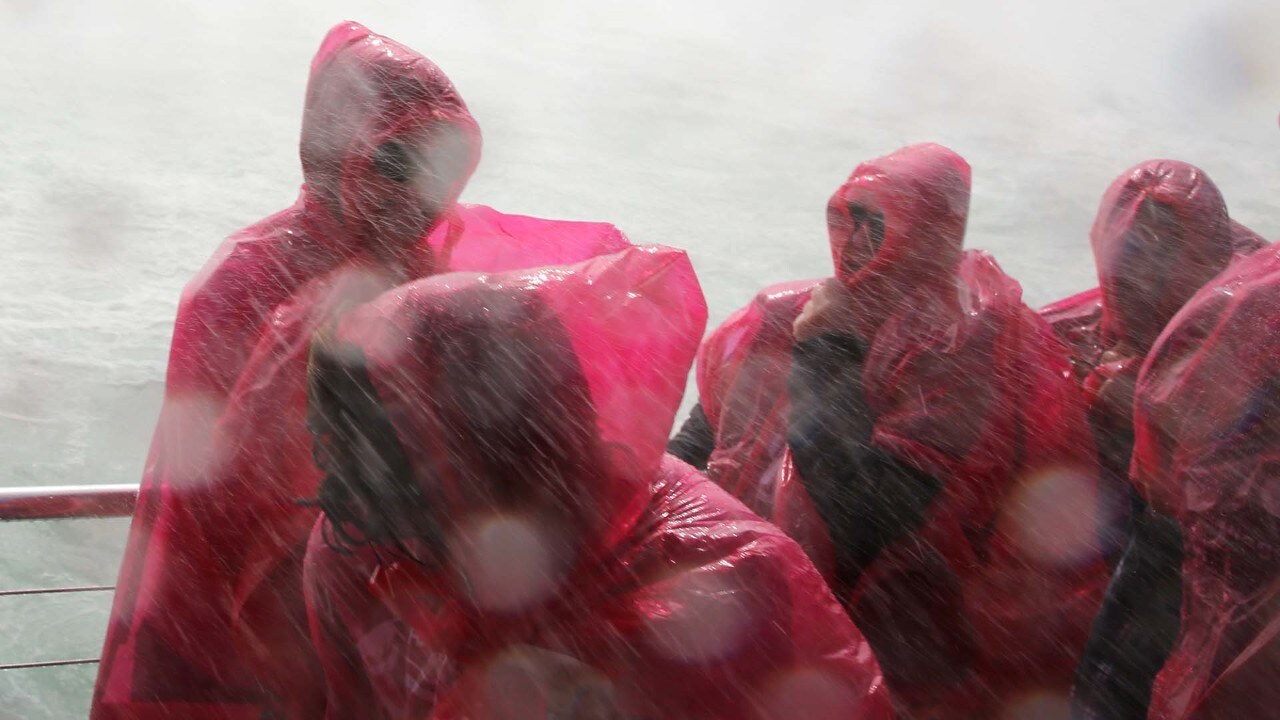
<point>365,465</point>
<point>510,406</point>
<point>859,215</point>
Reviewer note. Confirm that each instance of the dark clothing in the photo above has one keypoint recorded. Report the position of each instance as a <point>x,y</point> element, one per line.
<point>866,497</point>
<point>695,441</point>
<point>1136,628</point>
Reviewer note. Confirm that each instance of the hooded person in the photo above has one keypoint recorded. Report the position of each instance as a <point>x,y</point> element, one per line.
<point>1161,233</point>
<point>1077,320</point>
<point>1207,425</point>
<point>940,449</point>
<point>1189,235</point>
<point>503,536</point>
<point>387,146</point>
<point>208,615</point>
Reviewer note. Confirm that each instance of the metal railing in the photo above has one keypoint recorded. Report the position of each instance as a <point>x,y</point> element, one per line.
<point>63,502</point>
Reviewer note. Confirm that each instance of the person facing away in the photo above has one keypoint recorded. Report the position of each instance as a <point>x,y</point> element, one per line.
<point>503,536</point>
<point>1207,425</point>
<point>1161,233</point>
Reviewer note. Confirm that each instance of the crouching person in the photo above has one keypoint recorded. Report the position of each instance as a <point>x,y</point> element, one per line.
<point>503,537</point>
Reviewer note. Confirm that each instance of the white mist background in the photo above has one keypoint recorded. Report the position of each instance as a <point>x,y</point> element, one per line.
<point>134,136</point>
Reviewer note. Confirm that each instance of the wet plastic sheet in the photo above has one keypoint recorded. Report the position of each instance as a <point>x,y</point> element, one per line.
<point>677,602</point>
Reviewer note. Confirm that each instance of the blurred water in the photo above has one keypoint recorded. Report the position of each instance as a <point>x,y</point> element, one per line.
<point>136,135</point>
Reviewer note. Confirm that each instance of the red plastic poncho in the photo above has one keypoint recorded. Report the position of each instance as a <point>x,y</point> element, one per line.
<point>1161,232</point>
<point>1207,429</point>
<point>209,603</point>
<point>742,384</point>
<point>629,570</point>
<point>1197,210</point>
<point>968,385</point>
<point>220,613</point>
<point>364,90</point>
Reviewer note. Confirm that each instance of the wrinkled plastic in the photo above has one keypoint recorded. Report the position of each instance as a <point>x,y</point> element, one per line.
<point>678,602</point>
<point>970,386</point>
<point>1077,322</point>
<point>1161,233</point>
<point>1207,425</point>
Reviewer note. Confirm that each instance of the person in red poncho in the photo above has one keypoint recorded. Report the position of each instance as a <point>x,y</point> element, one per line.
<point>1207,429</point>
<point>1161,232</point>
<point>208,619</point>
<point>503,537</point>
<point>1077,320</point>
<point>940,468</point>
<point>387,145</point>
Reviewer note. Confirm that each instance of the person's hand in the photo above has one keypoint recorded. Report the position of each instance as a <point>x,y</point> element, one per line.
<point>527,681</point>
<point>1111,388</point>
<point>830,310</point>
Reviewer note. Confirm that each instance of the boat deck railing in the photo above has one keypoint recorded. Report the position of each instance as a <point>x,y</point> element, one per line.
<point>63,502</point>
